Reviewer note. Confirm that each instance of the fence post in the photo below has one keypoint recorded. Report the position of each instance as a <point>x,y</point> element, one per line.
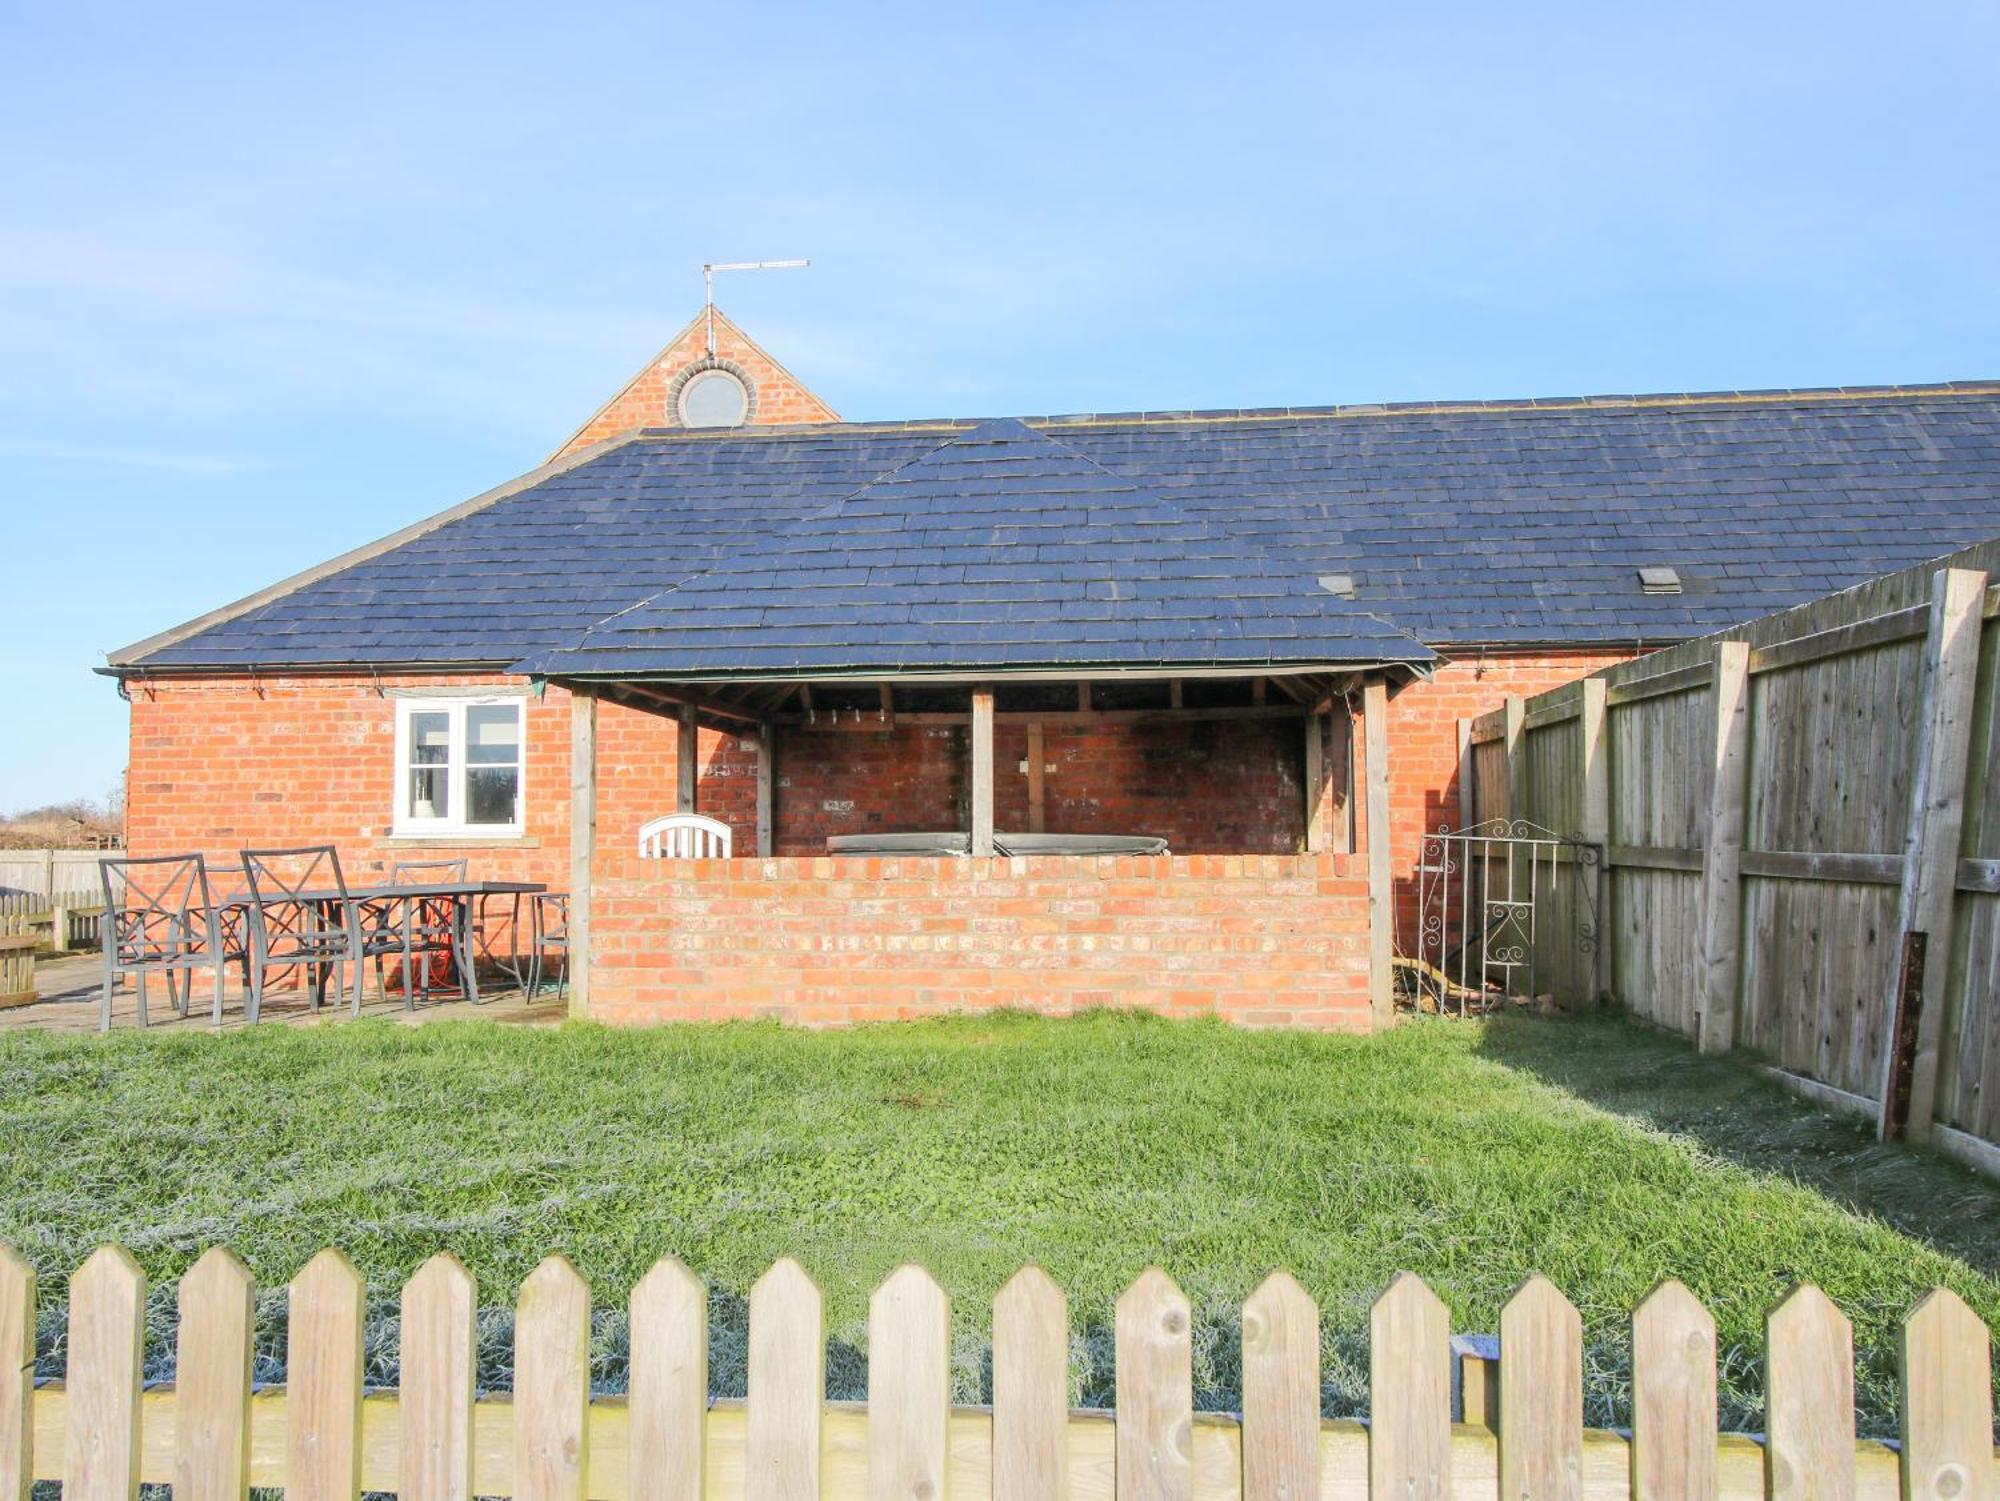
<point>582,841</point>
<point>17,1376</point>
<point>58,924</point>
<point>1468,777</point>
<point>1936,819</point>
<point>1722,852</point>
<point>1597,829</point>
<point>1381,881</point>
<point>1516,710</point>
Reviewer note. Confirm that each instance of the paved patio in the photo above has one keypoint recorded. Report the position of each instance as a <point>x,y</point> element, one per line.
<point>68,991</point>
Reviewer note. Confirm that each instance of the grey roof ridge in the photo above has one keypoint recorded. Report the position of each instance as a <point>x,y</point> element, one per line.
<point>133,656</point>
<point>686,329</point>
<point>1498,406</point>
<point>539,660</point>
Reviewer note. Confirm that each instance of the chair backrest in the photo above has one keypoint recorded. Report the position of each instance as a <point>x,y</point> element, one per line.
<point>155,908</point>
<point>425,872</point>
<point>685,836</point>
<point>281,876</point>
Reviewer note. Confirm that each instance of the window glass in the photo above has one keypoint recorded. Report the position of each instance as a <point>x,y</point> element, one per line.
<point>430,769</point>
<point>462,767</point>
<point>714,398</point>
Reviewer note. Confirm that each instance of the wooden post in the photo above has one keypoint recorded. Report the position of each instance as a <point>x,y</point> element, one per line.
<point>1517,762</point>
<point>582,842</point>
<point>1722,852</point>
<point>767,756</point>
<point>982,770</point>
<point>1468,777</point>
<point>1315,783</point>
<point>687,747</point>
<point>1339,772</point>
<point>1381,892</point>
<point>1037,792</point>
<point>58,924</point>
<point>1936,820</point>
<point>1597,827</point>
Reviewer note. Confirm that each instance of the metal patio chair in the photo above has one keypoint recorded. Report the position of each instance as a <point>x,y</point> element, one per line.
<point>301,916</point>
<point>414,929</point>
<point>685,836</point>
<point>159,918</point>
<point>550,915</point>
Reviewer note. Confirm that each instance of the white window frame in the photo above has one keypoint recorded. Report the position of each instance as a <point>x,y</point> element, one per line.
<point>405,823</point>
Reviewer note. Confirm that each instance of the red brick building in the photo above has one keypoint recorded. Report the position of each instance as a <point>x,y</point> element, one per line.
<point>1173,627</point>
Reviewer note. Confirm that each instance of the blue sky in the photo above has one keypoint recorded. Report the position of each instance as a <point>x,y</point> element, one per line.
<point>275,280</point>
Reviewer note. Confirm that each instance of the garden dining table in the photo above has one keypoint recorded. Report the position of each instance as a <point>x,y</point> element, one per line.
<point>465,897</point>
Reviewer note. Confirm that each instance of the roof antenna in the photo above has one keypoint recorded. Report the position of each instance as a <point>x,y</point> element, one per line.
<point>708,270</point>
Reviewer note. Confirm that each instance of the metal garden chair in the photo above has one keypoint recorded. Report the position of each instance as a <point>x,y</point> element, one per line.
<point>415,929</point>
<point>685,836</point>
<point>550,914</point>
<point>159,919</point>
<point>302,916</point>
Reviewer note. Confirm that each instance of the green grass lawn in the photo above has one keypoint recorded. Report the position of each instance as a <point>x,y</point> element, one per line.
<point>1473,1154</point>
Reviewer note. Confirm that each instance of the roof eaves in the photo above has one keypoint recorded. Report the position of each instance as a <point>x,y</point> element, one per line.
<point>134,656</point>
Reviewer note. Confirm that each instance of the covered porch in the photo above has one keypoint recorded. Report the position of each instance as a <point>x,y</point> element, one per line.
<point>1258,788</point>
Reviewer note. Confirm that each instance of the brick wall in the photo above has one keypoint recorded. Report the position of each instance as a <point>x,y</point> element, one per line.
<point>220,764</point>
<point>1211,787</point>
<point>777,395</point>
<point>1264,941</point>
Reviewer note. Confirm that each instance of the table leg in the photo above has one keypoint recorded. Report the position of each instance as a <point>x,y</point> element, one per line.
<point>468,970</point>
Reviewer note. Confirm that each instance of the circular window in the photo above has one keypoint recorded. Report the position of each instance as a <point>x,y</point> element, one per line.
<point>714,398</point>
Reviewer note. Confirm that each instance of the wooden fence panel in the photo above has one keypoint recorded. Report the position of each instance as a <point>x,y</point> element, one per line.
<point>1809,1381</point>
<point>669,1384</point>
<point>17,1376</point>
<point>107,1331</point>
<point>1673,1397</point>
<point>552,1384</point>
<point>1947,1402</point>
<point>787,1385</point>
<point>1409,1378</point>
<point>1969,1059</point>
<point>1541,1395</point>
<point>218,1314</point>
<point>1155,1377</point>
<point>909,1387</point>
<point>439,1350</point>
<point>550,1438</point>
<point>1031,1388</point>
<point>1280,1392</point>
<point>323,1390</point>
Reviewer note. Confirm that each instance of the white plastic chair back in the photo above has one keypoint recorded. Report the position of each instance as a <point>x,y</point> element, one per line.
<point>684,836</point>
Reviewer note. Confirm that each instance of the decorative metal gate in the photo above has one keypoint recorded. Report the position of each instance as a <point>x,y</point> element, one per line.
<point>1504,908</point>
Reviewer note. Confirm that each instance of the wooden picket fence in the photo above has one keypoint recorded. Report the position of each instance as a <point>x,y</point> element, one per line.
<point>30,923</point>
<point>212,1435</point>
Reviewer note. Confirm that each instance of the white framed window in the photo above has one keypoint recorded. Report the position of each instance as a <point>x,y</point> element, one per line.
<point>460,766</point>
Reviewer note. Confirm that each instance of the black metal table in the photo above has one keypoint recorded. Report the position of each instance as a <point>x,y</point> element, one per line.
<point>465,897</point>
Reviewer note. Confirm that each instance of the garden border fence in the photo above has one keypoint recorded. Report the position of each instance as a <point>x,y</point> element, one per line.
<point>322,1437</point>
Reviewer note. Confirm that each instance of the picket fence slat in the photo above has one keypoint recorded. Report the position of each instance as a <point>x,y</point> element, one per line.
<point>1947,1402</point>
<point>218,1312</point>
<point>1154,1366</point>
<point>323,1364</point>
<point>1409,1371</point>
<point>17,1375</point>
<point>1809,1391</point>
<point>213,1437</point>
<point>1673,1397</point>
<point>552,1384</point>
<point>1280,1392</point>
<point>107,1299</point>
<point>1541,1395</point>
<point>909,1387</point>
<point>668,1387</point>
<point>787,1385</point>
<point>1031,1388</point>
<point>439,1331</point>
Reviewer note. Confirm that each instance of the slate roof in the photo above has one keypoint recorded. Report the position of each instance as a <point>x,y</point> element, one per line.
<point>1479,523</point>
<point>1002,547</point>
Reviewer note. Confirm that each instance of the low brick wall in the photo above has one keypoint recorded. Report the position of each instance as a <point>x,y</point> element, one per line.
<point>1264,940</point>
